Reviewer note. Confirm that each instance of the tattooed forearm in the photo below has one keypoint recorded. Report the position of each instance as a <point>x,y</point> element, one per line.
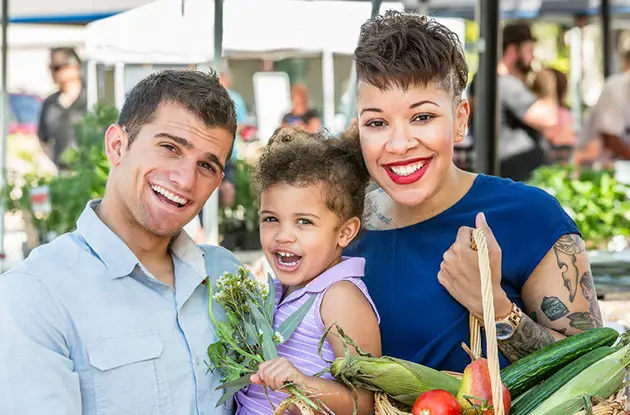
<point>527,338</point>
<point>553,308</point>
<point>567,250</point>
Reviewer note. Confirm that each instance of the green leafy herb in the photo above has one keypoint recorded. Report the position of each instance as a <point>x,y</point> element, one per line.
<point>245,336</point>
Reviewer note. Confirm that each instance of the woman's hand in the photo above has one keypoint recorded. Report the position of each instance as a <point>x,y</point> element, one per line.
<point>459,271</point>
<point>276,372</point>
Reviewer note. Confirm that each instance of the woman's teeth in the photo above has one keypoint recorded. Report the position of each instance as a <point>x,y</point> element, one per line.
<point>408,169</point>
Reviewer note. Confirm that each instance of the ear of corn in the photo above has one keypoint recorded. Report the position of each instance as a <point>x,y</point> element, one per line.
<point>601,379</point>
<point>404,381</point>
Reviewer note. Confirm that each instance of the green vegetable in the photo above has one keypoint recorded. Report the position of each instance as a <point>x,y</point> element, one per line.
<point>594,199</point>
<point>601,379</point>
<point>402,380</point>
<point>523,374</point>
<point>535,396</point>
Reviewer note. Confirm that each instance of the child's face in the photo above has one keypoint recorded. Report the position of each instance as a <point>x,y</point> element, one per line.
<point>301,237</point>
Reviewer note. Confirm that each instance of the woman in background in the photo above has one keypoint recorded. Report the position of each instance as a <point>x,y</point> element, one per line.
<point>301,116</point>
<point>551,82</point>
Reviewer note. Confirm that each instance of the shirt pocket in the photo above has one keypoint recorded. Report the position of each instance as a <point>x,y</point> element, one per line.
<point>125,375</point>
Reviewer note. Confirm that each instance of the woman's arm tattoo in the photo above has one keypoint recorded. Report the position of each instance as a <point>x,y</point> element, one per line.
<point>527,338</point>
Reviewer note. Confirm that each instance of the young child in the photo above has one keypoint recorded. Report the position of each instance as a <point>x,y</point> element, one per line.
<point>312,191</point>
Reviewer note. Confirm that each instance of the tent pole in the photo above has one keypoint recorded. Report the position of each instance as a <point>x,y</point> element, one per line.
<point>211,209</point>
<point>487,95</point>
<point>4,121</point>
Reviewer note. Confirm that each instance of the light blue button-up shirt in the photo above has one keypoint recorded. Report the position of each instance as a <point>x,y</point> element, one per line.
<point>85,329</point>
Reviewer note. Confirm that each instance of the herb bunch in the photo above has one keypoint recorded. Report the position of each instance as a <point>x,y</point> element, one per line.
<point>245,336</point>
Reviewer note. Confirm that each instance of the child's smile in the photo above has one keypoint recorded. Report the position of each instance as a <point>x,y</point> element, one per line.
<point>287,261</point>
<point>300,235</point>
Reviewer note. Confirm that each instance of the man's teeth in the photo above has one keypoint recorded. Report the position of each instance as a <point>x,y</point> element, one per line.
<point>408,169</point>
<point>169,195</point>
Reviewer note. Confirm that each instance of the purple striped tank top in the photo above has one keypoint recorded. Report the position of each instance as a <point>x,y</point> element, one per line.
<point>302,348</point>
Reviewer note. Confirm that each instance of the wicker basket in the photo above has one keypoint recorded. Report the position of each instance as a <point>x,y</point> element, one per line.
<point>615,405</point>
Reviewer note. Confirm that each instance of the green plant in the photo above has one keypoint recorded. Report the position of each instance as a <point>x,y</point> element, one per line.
<point>244,213</point>
<point>594,199</point>
<point>69,192</point>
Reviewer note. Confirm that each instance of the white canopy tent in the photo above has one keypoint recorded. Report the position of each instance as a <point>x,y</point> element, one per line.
<point>65,10</point>
<point>159,33</point>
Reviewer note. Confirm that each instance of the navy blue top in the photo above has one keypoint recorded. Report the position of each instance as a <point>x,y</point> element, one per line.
<point>420,321</point>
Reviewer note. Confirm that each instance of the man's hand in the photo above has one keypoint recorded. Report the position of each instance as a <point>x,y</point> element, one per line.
<point>277,372</point>
<point>459,271</point>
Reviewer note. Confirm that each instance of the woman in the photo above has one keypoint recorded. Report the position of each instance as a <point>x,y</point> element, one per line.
<point>301,115</point>
<point>421,270</point>
<point>551,83</point>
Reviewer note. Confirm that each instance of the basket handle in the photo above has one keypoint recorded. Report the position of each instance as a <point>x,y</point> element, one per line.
<point>492,348</point>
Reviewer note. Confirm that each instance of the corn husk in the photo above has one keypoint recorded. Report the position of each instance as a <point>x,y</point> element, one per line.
<point>601,379</point>
<point>402,380</point>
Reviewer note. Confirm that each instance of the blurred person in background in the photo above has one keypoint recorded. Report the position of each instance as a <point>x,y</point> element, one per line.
<point>227,190</point>
<point>607,130</point>
<point>562,136</point>
<point>524,116</point>
<point>64,108</point>
<point>301,115</point>
<point>606,135</point>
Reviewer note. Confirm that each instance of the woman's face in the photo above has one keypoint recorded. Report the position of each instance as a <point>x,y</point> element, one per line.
<point>407,138</point>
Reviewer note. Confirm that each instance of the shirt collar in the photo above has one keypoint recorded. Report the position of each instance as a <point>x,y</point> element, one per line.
<point>116,255</point>
<point>348,267</point>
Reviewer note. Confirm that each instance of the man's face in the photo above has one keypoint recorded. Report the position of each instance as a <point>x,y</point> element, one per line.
<point>164,178</point>
<point>62,69</point>
<point>525,56</point>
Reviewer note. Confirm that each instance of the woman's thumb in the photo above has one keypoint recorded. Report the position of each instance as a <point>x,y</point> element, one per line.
<point>480,223</point>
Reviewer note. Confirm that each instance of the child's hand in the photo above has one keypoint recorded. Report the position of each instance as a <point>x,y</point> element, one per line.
<point>276,372</point>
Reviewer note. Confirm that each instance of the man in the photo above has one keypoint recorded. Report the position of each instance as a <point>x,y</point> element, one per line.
<point>65,108</point>
<point>606,135</point>
<point>113,318</point>
<point>523,115</point>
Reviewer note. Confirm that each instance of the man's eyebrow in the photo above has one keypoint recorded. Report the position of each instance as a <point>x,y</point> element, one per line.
<point>212,158</point>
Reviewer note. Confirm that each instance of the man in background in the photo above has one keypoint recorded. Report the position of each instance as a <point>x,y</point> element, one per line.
<point>524,116</point>
<point>64,108</point>
<point>606,135</point>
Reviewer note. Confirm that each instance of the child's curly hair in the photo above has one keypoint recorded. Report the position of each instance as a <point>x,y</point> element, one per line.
<point>298,158</point>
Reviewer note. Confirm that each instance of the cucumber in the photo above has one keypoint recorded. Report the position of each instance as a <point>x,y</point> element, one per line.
<point>532,369</point>
<point>528,401</point>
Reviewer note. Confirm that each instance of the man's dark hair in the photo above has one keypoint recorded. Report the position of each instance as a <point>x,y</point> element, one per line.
<point>517,33</point>
<point>198,92</point>
<point>405,50</point>
<point>299,158</point>
<point>70,54</point>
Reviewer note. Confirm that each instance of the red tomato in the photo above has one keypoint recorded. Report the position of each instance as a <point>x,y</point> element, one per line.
<point>436,402</point>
